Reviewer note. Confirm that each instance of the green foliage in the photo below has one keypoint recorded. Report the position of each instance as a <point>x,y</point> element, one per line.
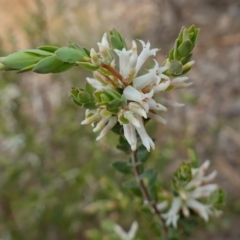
<point>122,167</point>
<point>182,175</point>
<point>84,98</point>
<point>117,41</point>
<point>20,60</point>
<point>180,55</point>
<point>192,155</point>
<point>70,55</point>
<point>218,198</point>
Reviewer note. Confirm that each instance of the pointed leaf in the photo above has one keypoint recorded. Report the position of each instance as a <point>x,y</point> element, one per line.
<point>185,48</point>
<point>176,67</point>
<point>20,60</point>
<point>64,67</point>
<point>38,52</point>
<point>70,55</point>
<point>90,105</point>
<point>48,48</point>
<point>48,65</point>
<point>122,167</point>
<point>27,69</point>
<point>88,66</point>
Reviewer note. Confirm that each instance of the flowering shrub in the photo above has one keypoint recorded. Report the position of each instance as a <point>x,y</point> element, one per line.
<point>122,98</point>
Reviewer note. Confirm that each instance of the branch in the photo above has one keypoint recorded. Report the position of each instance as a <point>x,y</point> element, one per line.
<point>144,190</point>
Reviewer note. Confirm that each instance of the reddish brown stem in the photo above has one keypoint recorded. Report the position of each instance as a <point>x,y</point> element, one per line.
<point>114,72</point>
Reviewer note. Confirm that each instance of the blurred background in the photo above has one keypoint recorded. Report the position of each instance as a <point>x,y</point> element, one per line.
<point>56,181</point>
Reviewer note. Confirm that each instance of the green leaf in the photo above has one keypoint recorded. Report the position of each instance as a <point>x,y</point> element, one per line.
<point>64,67</point>
<point>88,66</point>
<point>38,52</point>
<point>3,67</point>
<point>77,103</point>
<point>83,50</point>
<point>143,154</point>
<point>114,104</point>
<point>122,167</point>
<point>123,101</point>
<point>26,69</point>
<point>193,158</point>
<point>90,89</point>
<point>116,43</point>
<point>150,175</point>
<point>186,59</point>
<point>48,65</point>
<point>132,185</point>
<point>90,105</point>
<point>182,175</point>
<point>185,48</point>
<point>176,67</point>
<point>48,48</point>
<point>84,97</point>
<point>218,197</point>
<point>70,55</point>
<point>185,35</point>
<point>20,60</point>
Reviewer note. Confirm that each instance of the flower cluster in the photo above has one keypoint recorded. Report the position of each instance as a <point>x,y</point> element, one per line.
<point>123,96</point>
<point>192,192</point>
<point>119,92</point>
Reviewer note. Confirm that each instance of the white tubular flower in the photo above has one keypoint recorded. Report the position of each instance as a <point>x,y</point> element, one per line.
<point>146,140</point>
<point>130,135</point>
<point>172,215</point>
<point>191,196</point>
<point>145,54</point>
<point>137,101</point>
<point>199,208</point>
<point>91,118</point>
<point>126,235</point>
<point>95,83</point>
<point>104,49</point>
<point>101,124</point>
<point>132,119</point>
<point>136,108</point>
<point>161,86</point>
<point>105,42</point>
<point>146,80</point>
<point>127,60</point>
<point>132,94</point>
<point>123,61</point>
<point>111,123</point>
<point>94,57</point>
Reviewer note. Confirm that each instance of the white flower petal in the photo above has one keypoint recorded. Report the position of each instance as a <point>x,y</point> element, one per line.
<point>120,232</point>
<point>91,119</point>
<point>101,124</point>
<point>105,41</point>
<point>133,230</point>
<point>134,107</point>
<point>161,86</point>
<point>111,123</point>
<point>130,135</point>
<point>157,117</point>
<point>145,54</point>
<point>132,119</point>
<point>146,140</point>
<point>132,94</point>
<point>199,208</point>
<point>204,191</point>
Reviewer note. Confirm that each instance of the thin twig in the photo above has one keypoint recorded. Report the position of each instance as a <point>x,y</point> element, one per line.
<point>114,72</point>
<point>144,190</point>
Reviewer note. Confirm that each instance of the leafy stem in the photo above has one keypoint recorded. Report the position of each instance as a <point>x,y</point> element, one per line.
<point>145,192</point>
